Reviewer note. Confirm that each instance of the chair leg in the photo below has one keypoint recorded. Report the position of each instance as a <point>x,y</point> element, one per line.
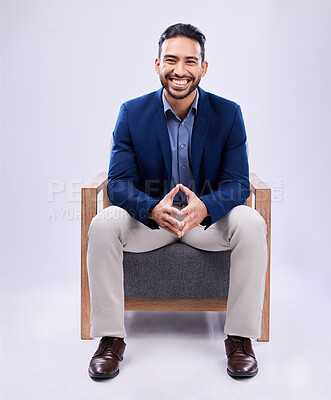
<point>88,211</point>
<point>265,326</point>
<point>263,206</point>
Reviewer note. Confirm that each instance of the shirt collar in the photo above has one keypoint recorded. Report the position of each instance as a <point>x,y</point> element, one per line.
<point>167,106</point>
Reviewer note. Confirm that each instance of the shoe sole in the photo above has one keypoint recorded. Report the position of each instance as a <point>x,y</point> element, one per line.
<point>103,376</point>
<point>242,374</point>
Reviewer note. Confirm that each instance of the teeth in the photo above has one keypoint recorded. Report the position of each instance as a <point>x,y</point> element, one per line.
<point>181,82</point>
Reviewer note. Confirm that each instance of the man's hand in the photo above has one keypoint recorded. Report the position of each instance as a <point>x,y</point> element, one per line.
<point>196,210</point>
<point>161,213</point>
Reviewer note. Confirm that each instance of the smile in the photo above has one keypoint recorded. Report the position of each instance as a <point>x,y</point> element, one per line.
<point>179,83</point>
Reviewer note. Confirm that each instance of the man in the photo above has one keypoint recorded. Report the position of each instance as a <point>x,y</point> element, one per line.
<point>178,172</point>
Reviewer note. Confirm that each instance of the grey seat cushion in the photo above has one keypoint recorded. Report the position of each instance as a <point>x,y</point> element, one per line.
<point>177,271</point>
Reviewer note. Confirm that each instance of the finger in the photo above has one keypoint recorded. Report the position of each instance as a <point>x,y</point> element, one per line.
<point>185,189</point>
<point>172,210</point>
<point>173,221</point>
<point>186,213</point>
<point>188,226</point>
<point>172,192</point>
<point>185,229</point>
<point>171,229</point>
<point>186,210</point>
<point>187,219</point>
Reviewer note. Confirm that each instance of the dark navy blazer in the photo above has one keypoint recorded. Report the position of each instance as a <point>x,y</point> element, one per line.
<point>140,164</point>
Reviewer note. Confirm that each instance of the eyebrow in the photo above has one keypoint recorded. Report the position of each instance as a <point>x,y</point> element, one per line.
<point>187,58</point>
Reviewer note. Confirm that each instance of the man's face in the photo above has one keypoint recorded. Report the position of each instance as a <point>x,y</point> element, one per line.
<point>179,66</point>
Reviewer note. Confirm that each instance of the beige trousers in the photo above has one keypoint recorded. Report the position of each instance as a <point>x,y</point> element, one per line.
<point>242,230</point>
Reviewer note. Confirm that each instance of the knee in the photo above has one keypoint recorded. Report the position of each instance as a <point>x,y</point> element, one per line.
<point>106,222</point>
<point>247,220</point>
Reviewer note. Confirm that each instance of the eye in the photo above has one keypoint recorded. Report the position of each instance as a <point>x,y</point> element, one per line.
<point>170,60</point>
<point>192,62</point>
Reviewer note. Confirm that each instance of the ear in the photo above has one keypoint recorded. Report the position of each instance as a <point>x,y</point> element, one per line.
<point>157,66</point>
<point>204,68</point>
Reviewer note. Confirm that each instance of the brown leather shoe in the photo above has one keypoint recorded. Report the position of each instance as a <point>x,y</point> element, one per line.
<point>105,361</point>
<point>241,357</point>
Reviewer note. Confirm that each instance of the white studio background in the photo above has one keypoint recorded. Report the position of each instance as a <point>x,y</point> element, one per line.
<point>66,66</point>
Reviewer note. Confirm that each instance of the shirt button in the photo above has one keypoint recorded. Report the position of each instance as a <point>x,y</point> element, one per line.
<point>183,167</point>
<point>182,146</point>
<point>182,124</point>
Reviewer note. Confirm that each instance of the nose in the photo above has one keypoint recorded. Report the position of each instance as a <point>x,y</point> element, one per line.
<point>179,69</point>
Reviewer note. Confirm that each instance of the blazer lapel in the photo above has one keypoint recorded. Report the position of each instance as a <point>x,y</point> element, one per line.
<point>160,126</point>
<point>200,130</point>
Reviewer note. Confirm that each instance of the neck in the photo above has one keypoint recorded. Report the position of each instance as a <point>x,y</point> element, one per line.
<point>181,106</point>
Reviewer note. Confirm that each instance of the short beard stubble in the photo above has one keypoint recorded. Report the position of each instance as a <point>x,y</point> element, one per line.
<point>180,95</point>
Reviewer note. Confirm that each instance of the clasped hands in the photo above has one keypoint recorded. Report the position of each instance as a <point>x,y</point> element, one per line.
<point>196,211</point>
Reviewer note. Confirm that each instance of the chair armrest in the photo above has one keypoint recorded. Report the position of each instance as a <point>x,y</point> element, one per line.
<point>262,194</point>
<point>89,198</point>
<point>97,183</point>
<point>257,183</point>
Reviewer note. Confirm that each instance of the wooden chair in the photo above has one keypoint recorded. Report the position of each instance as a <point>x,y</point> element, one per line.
<point>260,199</point>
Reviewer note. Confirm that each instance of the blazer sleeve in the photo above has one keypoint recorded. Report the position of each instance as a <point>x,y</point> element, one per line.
<point>234,187</point>
<point>123,175</point>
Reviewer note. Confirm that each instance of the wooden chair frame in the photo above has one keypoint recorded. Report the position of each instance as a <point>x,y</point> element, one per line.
<point>89,203</point>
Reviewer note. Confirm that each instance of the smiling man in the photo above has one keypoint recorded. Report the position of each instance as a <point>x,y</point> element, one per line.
<point>178,172</point>
<point>181,68</point>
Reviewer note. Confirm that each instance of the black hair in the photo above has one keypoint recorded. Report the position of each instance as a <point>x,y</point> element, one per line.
<point>184,30</point>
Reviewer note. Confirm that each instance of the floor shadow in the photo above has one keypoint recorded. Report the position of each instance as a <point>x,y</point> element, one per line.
<point>193,323</point>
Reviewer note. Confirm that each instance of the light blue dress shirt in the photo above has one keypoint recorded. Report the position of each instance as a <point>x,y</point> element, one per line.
<point>180,135</point>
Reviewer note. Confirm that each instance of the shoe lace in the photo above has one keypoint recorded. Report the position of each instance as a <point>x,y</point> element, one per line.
<point>107,343</point>
<point>239,344</point>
